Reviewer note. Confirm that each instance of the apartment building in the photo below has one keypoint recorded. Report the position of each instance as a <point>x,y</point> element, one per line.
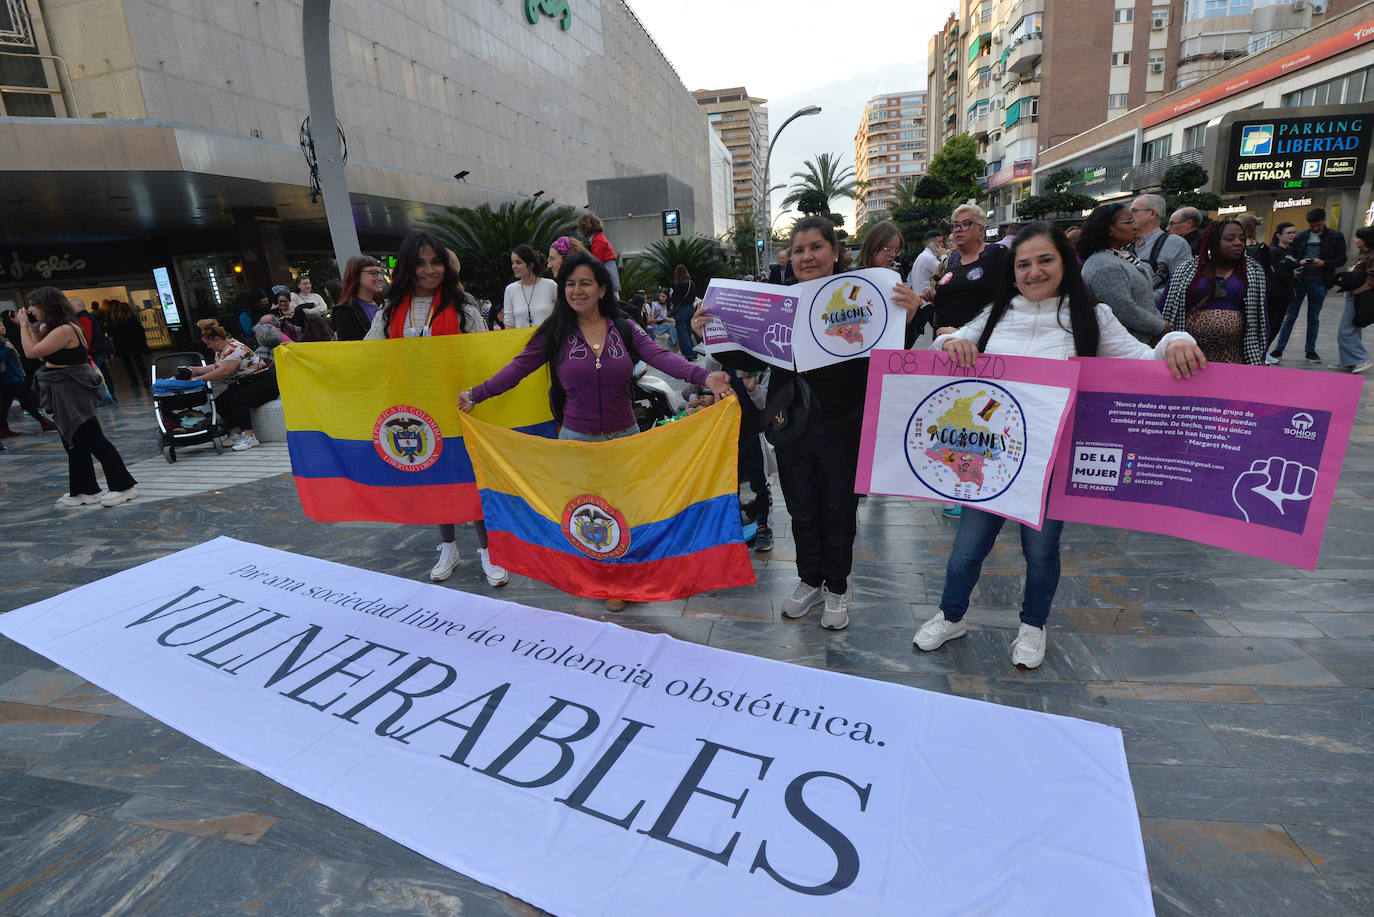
<point>889,148</point>
<point>1217,32</point>
<point>741,120</point>
<point>944,81</point>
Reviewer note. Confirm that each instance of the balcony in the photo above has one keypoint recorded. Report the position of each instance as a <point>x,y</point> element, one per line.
<point>979,121</point>
<point>1025,53</point>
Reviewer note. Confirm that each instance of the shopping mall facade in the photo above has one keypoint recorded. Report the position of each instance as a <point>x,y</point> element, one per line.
<point>140,136</point>
<point>1278,133</point>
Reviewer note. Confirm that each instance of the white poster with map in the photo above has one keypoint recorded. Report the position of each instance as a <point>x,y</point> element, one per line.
<point>982,436</point>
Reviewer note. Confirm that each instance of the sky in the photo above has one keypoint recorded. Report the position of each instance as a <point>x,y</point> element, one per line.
<point>796,53</point>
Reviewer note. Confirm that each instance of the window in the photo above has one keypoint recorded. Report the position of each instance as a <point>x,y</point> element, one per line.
<point>713,117</point>
<point>1117,100</point>
<point>1123,15</point>
<point>1120,58</point>
<point>1194,137</point>
<point>1156,63</point>
<point>1156,149</point>
<point>1353,87</point>
<point>1159,18</point>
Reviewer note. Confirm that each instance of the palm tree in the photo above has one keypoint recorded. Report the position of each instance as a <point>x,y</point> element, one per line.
<point>826,175</point>
<point>702,257</point>
<point>483,238</point>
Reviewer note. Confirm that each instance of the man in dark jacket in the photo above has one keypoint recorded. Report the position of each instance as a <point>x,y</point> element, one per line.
<point>1320,251</point>
<point>782,271</point>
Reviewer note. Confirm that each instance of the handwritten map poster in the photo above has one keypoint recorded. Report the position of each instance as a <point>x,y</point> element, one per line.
<point>808,325</point>
<point>1242,457</point>
<point>983,436</point>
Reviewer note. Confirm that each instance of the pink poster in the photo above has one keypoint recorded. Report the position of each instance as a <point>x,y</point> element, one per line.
<point>984,436</point>
<point>1242,457</point>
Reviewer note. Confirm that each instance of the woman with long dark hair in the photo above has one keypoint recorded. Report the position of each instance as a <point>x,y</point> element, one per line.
<point>529,300</point>
<point>1043,309</point>
<point>69,388</point>
<point>427,299</point>
<point>1219,298</point>
<point>1115,276</point>
<point>590,352</point>
<point>682,300</point>
<point>359,298</point>
<point>130,343</point>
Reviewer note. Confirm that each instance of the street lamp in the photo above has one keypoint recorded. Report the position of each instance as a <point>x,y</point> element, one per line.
<point>767,195</point>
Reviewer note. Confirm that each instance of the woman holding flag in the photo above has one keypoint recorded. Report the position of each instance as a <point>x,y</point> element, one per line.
<point>427,299</point>
<point>591,354</point>
<point>1042,309</point>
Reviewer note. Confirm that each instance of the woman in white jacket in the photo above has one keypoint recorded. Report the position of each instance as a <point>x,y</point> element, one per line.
<point>1042,310</point>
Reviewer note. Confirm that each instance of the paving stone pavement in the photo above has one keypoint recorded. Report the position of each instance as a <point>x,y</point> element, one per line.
<point>1244,688</point>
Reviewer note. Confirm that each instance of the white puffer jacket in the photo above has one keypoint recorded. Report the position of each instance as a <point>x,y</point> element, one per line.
<point>1040,329</point>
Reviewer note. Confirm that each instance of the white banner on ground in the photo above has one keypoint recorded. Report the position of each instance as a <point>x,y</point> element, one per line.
<point>590,769</point>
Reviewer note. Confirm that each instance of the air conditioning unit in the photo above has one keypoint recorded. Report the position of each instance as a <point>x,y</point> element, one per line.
<point>1158,23</point>
<point>1299,5</point>
<point>997,38</point>
<point>1157,67</point>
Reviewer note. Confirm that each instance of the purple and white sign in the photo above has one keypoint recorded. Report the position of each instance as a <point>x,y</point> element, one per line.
<point>1207,459</point>
<point>809,325</point>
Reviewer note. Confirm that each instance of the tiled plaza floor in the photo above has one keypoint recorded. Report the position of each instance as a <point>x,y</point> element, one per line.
<point>1244,688</point>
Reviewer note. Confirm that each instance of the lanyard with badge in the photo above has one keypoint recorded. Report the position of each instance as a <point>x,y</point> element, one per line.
<point>410,330</point>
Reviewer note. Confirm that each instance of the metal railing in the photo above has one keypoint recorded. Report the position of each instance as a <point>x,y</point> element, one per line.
<point>1150,174</point>
<point>68,95</point>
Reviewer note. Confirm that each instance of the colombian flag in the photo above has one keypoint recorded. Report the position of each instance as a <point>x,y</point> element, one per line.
<point>372,426</point>
<point>648,518</point>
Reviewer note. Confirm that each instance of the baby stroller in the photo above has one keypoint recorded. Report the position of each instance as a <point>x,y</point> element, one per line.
<point>185,410</point>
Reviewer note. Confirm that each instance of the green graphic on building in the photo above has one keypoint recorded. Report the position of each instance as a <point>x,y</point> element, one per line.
<point>557,9</point>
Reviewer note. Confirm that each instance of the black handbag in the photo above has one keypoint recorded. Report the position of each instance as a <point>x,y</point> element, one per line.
<point>1364,309</point>
<point>791,411</point>
<point>1350,280</point>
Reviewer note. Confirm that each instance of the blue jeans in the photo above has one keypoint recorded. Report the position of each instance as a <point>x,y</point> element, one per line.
<point>686,341</point>
<point>667,328</point>
<point>565,433</point>
<point>1348,338</point>
<point>1315,291</point>
<point>972,543</point>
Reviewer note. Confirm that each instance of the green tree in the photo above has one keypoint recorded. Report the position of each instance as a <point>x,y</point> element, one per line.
<point>743,237</point>
<point>826,175</point>
<point>958,166</point>
<point>811,202</point>
<point>483,238</point>
<point>1056,198</point>
<point>1180,186</point>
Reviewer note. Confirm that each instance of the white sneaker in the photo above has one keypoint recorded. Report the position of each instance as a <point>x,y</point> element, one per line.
<point>116,497</point>
<point>936,632</point>
<point>246,441</point>
<point>1028,649</point>
<point>803,599</point>
<point>836,613</point>
<point>1361,367</point>
<point>233,439</point>
<point>448,559</point>
<point>1272,359</point>
<point>67,501</point>
<point>496,576</point>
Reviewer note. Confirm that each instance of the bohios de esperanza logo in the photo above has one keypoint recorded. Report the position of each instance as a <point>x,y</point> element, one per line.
<point>595,527</point>
<point>407,438</point>
<point>967,440</point>
<point>848,316</point>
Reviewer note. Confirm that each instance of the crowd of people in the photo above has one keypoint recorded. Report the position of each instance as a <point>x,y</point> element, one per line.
<point>1126,283</point>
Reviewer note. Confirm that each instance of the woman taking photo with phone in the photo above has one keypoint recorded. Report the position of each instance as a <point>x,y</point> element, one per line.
<point>69,388</point>
<point>1043,309</point>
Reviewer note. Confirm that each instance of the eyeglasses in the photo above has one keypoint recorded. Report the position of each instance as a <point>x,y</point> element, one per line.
<point>1141,210</point>
<point>1177,222</point>
<point>374,271</point>
<point>965,224</point>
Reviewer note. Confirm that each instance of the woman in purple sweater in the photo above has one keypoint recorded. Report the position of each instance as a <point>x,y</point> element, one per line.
<point>591,361</point>
<point>590,358</point>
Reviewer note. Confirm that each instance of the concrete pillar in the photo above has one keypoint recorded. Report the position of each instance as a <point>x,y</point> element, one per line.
<point>258,231</point>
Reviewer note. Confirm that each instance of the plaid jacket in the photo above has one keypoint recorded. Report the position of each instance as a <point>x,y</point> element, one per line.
<point>1256,323</point>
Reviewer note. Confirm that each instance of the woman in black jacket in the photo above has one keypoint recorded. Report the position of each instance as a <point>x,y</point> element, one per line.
<point>683,302</point>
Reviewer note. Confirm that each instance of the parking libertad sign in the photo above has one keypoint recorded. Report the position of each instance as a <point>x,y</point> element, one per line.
<point>1297,148</point>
